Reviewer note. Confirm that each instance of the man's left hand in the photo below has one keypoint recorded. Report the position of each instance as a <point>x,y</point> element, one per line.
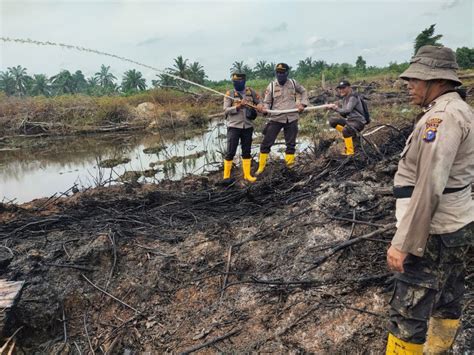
<point>300,107</point>
<point>395,259</point>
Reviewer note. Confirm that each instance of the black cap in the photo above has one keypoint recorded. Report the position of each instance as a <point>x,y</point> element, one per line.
<point>282,67</point>
<point>343,84</point>
<point>239,76</point>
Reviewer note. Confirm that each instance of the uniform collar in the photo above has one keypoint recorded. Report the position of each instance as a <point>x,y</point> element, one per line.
<point>440,100</point>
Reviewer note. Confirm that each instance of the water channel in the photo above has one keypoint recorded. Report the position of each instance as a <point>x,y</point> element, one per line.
<point>53,166</point>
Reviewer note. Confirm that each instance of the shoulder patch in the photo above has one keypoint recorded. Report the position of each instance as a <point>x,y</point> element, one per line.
<point>431,129</point>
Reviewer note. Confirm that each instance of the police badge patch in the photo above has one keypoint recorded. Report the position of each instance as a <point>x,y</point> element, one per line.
<point>431,129</point>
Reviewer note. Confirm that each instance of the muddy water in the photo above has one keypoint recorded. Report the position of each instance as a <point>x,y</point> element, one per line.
<point>52,167</point>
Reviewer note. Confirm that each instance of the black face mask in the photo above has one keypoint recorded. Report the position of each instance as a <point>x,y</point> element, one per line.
<point>239,85</point>
<point>281,77</point>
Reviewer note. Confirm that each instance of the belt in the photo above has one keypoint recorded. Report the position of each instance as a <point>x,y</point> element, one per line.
<point>407,191</point>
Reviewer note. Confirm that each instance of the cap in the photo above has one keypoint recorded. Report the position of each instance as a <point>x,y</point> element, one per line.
<point>239,76</point>
<point>282,67</point>
<point>343,84</point>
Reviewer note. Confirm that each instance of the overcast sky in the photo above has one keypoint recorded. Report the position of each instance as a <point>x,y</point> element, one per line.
<point>217,33</point>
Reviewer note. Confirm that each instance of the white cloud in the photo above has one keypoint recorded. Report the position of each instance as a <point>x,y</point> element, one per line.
<point>282,27</point>
<point>450,4</point>
<point>217,33</point>
<point>257,41</point>
<point>149,41</point>
<point>390,49</point>
<point>316,43</point>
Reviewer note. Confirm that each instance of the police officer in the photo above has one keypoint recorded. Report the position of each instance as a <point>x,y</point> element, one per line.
<point>239,124</point>
<point>352,112</point>
<point>434,210</point>
<point>281,95</point>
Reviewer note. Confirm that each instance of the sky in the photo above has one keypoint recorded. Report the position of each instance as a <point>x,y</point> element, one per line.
<point>217,33</point>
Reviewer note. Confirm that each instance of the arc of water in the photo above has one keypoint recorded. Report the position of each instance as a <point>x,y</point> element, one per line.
<point>84,49</point>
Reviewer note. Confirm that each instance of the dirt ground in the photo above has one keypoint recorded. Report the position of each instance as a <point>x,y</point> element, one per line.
<point>292,263</point>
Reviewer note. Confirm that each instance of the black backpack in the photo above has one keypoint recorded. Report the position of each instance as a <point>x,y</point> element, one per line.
<point>365,108</point>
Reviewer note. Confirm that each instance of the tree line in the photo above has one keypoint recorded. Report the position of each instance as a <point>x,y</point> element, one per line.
<point>16,81</point>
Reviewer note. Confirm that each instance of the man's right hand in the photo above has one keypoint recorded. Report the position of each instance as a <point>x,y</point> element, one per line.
<point>332,107</point>
<point>395,259</point>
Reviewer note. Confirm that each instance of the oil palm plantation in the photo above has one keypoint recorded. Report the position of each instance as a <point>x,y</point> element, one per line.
<point>133,81</point>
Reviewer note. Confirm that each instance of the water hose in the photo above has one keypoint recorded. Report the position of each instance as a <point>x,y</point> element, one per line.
<point>83,49</point>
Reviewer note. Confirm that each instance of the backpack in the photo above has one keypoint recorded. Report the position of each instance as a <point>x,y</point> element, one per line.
<point>365,108</point>
<point>294,87</point>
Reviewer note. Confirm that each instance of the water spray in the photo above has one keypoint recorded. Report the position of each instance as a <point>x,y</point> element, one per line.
<point>83,49</point>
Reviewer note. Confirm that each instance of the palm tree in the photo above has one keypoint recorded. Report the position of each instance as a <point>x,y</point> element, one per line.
<point>319,65</point>
<point>240,67</point>
<point>164,80</point>
<point>105,78</point>
<point>196,73</point>
<point>237,67</point>
<point>80,82</point>
<point>63,83</point>
<point>21,79</point>
<point>40,85</point>
<point>264,70</point>
<point>92,81</point>
<point>180,67</point>
<point>7,83</point>
<point>93,87</point>
<point>133,80</point>
<point>305,67</point>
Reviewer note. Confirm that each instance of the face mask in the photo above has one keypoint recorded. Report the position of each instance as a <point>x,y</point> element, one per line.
<point>282,77</point>
<point>239,85</point>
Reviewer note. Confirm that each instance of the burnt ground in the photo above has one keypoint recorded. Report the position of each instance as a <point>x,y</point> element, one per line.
<point>292,263</point>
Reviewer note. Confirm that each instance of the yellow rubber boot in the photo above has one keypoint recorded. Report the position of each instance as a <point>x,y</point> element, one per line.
<point>246,164</point>
<point>289,159</point>
<point>396,346</point>
<point>349,146</point>
<point>339,128</point>
<point>227,168</point>
<point>441,334</point>
<point>262,161</point>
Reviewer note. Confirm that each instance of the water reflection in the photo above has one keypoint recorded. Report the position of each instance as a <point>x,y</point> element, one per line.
<point>54,166</point>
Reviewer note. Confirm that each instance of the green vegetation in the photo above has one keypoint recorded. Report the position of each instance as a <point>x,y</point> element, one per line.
<point>427,37</point>
<point>15,81</point>
<point>69,102</point>
<point>465,57</point>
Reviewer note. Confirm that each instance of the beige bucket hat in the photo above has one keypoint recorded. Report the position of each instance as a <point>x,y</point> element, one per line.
<point>431,62</point>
